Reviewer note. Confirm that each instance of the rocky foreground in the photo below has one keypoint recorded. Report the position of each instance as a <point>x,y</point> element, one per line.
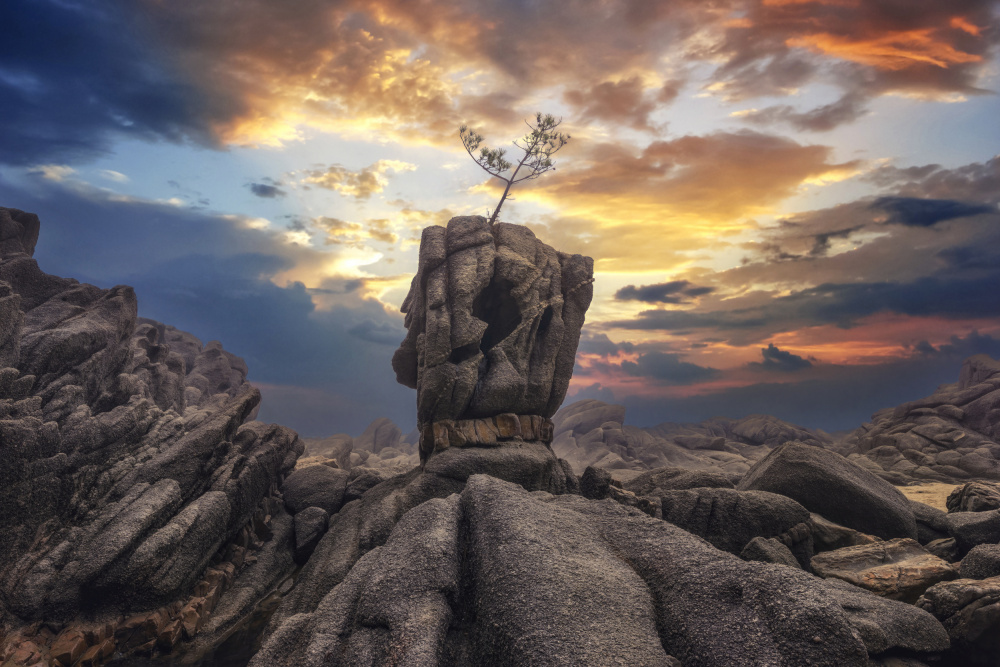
<point>149,520</point>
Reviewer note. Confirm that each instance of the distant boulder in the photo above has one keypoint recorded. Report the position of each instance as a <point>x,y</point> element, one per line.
<point>828,484</point>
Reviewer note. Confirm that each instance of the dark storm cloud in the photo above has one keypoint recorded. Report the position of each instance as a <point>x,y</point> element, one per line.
<point>841,304</point>
<point>960,348</point>
<point>73,76</point>
<point>915,212</point>
<point>600,345</point>
<point>668,368</point>
<point>776,359</point>
<point>266,190</point>
<point>840,397</point>
<point>208,276</point>
<point>675,291</point>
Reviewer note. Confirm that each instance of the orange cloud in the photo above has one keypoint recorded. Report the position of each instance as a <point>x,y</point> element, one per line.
<point>893,51</point>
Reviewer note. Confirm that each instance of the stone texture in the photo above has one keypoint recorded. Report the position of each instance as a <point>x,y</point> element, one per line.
<point>654,482</point>
<point>828,484</point>
<point>769,550</point>
<point>982,562</point>
<point>728,518</point>
<point>130,455</point>
<point>310,526</point>
<point>970,612</point>
<point>315,486</point>
<point>932,523</point>
<point>973,528</point>
<point>499,575</point>
<point>949,436</point>
<point>493,319</point>
<point>899,569</point>
<point>974,497</point>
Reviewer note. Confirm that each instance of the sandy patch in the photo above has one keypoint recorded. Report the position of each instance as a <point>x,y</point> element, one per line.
<point>933,494</point>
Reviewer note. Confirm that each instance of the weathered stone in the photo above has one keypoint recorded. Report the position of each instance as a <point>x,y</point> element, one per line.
<point>310,526</point>
<point>769,550</point>
<point>974,497</point>
<point>828,484</point>
<point>828,535</point>
<point>970,612</point>
<point>493,321</point>
<point>972,528</point>
<point>982,562</point>
<point>899,569</point>
<point>68,647</point>
<point>315,486</point>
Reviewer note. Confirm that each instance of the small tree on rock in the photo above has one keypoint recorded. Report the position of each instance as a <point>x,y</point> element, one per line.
<point>538,147</point>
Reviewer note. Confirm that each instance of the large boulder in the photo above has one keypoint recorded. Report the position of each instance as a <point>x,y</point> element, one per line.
<point>982,562</point>
<point>497,575</point>
<point>493,320</point>
<point>973,528</point>
<point>728,518</point>
<point>315,486</point>
<point>828,484</point>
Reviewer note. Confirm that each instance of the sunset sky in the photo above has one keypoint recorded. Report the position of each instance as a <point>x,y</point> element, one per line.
<point>792,205</point>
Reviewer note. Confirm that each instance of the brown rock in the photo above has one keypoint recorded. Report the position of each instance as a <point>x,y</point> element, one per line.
<point>899,569</point>
<point>508,425</point>
<point>169,634</point>
<point>974,497</point>
<point>69,646</point>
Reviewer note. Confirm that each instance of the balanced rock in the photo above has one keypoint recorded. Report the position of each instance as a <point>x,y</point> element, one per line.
<point>493,320</point>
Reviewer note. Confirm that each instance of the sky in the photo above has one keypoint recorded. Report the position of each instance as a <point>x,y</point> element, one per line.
<point>792,204</point>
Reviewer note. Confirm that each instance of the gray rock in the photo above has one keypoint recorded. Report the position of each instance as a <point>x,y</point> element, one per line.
<point>974,497</point>
<point>828,535</point>
<point>982,562</point>
<point>769,550</point>
<point>932,523</point>
<point>828,484</point>
<point>584,416</point>
<point>672,479</point>
<point>315,486</point>
<point>595,483</point>
<point>497,575</point>
<point>970,610</point>
<point>493,321</point>
<point>974,528</point>
<point>310,526</point>
<point>380,434</point>
<point>360,480</point>
<point>728,518</point>
<point>130,460</point>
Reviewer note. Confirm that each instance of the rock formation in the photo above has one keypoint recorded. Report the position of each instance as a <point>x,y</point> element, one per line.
<point>950,436</point>
<point>493,320</point>
<point>132,477</point>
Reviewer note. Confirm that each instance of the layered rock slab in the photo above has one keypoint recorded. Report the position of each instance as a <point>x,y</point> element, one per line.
<point>497,575</point>
<point>493,320</point>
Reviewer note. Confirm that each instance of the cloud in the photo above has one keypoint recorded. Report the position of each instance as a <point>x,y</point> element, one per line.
<point>266,190</point>
<point>361,184</point>
<point>776,359</point>
<point>599,344</point>
<point>847,109</point>
<point>115,176</point>
<point>917,212</point>
<point>624,102</point>
<point>667,368</point>
<point>675,291</point>
<point>214,277</point>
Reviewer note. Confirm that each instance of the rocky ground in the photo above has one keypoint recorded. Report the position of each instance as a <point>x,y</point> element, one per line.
<point>149,520</point>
